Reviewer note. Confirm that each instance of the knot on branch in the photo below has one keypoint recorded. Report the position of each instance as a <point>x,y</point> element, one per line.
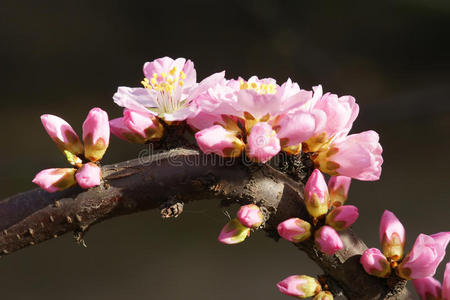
<point>172,208</point>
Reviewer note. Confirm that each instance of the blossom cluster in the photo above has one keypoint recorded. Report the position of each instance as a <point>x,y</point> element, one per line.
<point>419,264</point>
<point>258,118</point>
<point>83,158</point>
<point>255,116</point>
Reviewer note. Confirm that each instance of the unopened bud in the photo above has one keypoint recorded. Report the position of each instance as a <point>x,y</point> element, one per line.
<point>250,216</point>
<point>317,200</point>
<point>300,286</point>
<point>338,187</point>
<point>342,217</point>
<point>294,230</point>
<point>233,233</point>
<point>375,263</point>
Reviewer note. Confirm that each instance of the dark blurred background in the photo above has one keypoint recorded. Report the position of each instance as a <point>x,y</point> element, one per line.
<point>64,57</point>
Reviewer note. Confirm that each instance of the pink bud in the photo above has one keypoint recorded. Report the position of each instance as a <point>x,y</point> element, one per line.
<point>357,156</point>
<point>300,286</point>
<point>375,263</point>
<point>328,240</point>
<point>428,288</point>
<point>342,217</point>
<point>62,134</point>
<point>446,283</point>
<point>250,216</point>
<point>119,129</point>
<point>220,141</point>
<point>392,236</point>
<point>95,134</point>
<point>233,233</point>
<point>294,230</point>
<point>89,175</point>
<point>317,200</point>
<point>145,125</point>
<point>53,180</point>
<point>424,257</point>
<point>324,295</point>
<point>262,143</point>
<point>338,187</point>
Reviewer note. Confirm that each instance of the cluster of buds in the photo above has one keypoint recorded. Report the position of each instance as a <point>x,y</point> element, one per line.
<point>302,286</point>
<point>421,262</point>
<point>84,159</point>
<point>334,217</point>
<point>238,229</point>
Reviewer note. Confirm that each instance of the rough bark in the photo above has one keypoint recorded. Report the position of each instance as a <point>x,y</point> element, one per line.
<point>164,181</point>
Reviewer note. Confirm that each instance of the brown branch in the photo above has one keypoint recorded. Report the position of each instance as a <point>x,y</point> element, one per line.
<point>182,175</point>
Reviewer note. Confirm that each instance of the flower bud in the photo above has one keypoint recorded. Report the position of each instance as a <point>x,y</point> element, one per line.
<point>294,230</point>
<point>317,200</point>
<point>53,180</point>
<point>357,156</point>
<point>119,129</point>
<point>146,126</point>
<point>250,216</point>
<point>328,240</point>
<point>392,236</point>
<point>428,288</point>
<point>95,134</point>
<point>89,175</point>
<point>300,286</point>
<point>342,217</point>
<point>446,283</point>
<point>375,263</point>
<point>424,257</point>
<point>233,233</point>
<point>338,187</point>
<point>220,141</point>
<point>324,295</point>
<point>262,143</point>
<point>62,134</point>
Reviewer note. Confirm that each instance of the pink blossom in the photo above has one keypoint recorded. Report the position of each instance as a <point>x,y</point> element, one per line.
<point>260,100</point>
<point>375,263</point>
<point>328,240</point>
<point>204,120</point>
<point>424,257</point>
<point>294,230</point>
<point>89,175</point>
<point>62,134</point>
<point>57,179</point>
<point>357,156</point>
<point>342,217</point>
<point>233,233</point>
<point>316,195</point>
<point>169,89</point>
<point>220,141</point>
<point>446,283</point>
<point>338,187</point>
<point>250,216</point>
<point>341,112</point>
<point>300,286</point>
<point>428,288</point>
<point>262,143</point>
<point>96,134</point>
<point>392,236</point>
<point>295,128</point>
